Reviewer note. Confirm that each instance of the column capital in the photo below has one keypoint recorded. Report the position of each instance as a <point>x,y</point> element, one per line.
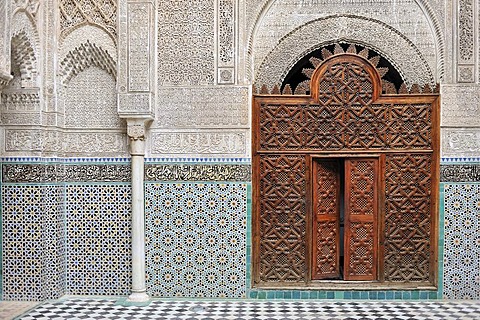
<point>136,131</point>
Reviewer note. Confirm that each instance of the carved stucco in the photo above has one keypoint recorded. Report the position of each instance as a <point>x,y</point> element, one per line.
<point>74,13</point>
<point>186,43</point>
<point>460,105</point>
<point>372,33</point>
<point>415,20</point>
<point>460,142</point>
<point>205,107</point>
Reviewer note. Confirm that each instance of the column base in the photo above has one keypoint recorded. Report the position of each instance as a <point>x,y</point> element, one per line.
<point>138,297</point>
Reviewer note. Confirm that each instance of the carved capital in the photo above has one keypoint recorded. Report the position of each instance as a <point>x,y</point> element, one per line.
<point>136,131</point>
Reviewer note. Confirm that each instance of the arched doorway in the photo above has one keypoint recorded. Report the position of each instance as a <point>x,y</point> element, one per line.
<point>345,179</point>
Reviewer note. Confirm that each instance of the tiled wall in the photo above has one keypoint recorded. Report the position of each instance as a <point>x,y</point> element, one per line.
<point>66,229</point>
<point>196,236</point>
<point>462,241</point>
<point>98,239</point>
<point>33,249</point>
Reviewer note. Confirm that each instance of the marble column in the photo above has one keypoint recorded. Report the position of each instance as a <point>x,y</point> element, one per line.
<point>136,133</point>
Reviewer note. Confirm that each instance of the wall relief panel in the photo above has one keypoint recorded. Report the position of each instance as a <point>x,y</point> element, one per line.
<point>202,107</point>
<point>460,142</point>
<point>206,143</point>
<point>460,105</point>
<point>186,42</point>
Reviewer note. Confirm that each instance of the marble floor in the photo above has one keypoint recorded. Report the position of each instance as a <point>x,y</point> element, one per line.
<point>106,309</point>
<point>11,309</point>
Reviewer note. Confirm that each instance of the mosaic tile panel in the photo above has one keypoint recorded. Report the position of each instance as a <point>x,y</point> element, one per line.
<point>196,239</point>
<point>98,239</point>
<point>33,242</point>
<point>462,241</point>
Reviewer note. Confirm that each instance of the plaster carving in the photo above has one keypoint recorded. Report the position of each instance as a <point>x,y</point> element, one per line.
<point>22,22</point>
<point>91,101</point>
<point>139,73</point>
<point>23,140</point>
<point>202,107</point>
<point>21,119</point>
<point>91,34</point>
<point>85,55</point>
<point>415,21</point>
<point>30,6</point>
<point>74,13</point>
<point>95,143</point>
<point>85,143</point>
<point>136,131</point>
<point>24,61</point>
<point>458,142</point>
<point>460,106</point>
<point>200,142</point>
<point>186,43</point>
<point>226,41</point>
<point>135,103</point>
<point>197,172</point>
<point>465,31</point>
<point>20,100</point>
<point>466,74</point>
<point>226,31</point>
<point>393,46</point>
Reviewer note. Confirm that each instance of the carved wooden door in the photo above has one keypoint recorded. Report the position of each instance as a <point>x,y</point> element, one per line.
<point>345,162</point>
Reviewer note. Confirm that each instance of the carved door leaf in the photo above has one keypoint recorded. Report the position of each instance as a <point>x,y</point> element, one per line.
<point>326,219</point>
<point>361,219</point>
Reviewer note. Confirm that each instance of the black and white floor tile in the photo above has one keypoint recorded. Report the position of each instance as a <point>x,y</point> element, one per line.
<point>106,309</point>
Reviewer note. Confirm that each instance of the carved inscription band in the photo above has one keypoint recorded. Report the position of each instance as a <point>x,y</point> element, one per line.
<point>41,173</point>
<point>460,173</point>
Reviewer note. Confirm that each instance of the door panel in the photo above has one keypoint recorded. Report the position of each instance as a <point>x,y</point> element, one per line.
<point>361,206</point>
<point>326,226</point>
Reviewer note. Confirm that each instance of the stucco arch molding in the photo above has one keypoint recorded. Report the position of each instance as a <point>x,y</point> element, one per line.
<point>385,40</point>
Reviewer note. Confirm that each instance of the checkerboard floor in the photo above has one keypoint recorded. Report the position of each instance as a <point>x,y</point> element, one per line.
<point>105,309</point>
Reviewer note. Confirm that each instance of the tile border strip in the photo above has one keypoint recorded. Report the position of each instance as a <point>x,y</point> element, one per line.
<point>94,172</point>
<point>460,173</point>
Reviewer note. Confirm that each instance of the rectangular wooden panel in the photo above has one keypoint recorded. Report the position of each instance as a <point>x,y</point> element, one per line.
<point>282,218</point>
<point>326,217</point>
<point>361,210</point>
<point>408,217</point>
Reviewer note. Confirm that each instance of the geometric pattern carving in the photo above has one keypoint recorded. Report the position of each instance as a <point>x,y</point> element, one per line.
<point>407,222</point>
<point>98,239</point>
<point>282,224</point>
<point>361,219</point>
<point>203,107</point>
<point>196,239</point>
<point>345,83</point>
<point>326,224</point>
<point>33,252</point>
<point>335,127</point>
<point>77,12</point>
<point>462,242</point>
